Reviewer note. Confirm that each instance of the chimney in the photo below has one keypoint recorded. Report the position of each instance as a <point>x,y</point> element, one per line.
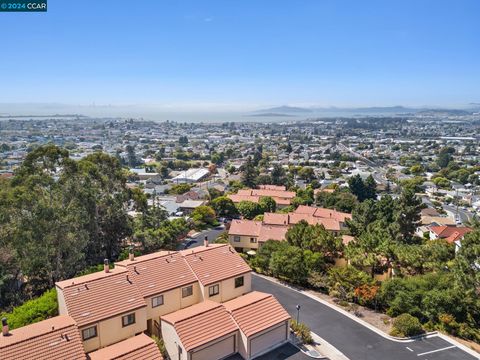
<point>5,327</point>
<point>106,268</point>
<point>205,241</point>
<point>131,255</point>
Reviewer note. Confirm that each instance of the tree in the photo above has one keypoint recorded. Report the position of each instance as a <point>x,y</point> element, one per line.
<point>467,262</point>
<point>278,175</point>
<point>289,263</point>
<point>314,238</point>
<point>306,173</point>
<point>357,187</point>
<point>183,140</point>
<point>370,249</point>
<point>445,156</point>
<point>262,259</point>
<point>268,204</point>
<point>249,173</point>
<point>131,156</point>
<point>341,200</point>
<point>408,216</point>
<point>249,209</point>
<point>203,216</point>
<point>370,188</point>
<point>224,206</point>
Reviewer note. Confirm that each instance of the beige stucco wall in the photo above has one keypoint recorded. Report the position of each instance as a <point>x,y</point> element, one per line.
<point>111,331</point>
<point>227,288</point>
<point>62,307</point>
<point>173,301</point>
<point>172,341</point>
<point>243,243</point>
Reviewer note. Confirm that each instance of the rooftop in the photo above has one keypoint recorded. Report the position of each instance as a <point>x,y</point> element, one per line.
<point>215,263</point>
<point>101,295</point>
<point>201,323</point>
<point>159,272</point>
<point>140,347</point>
<point>57,338</point>
<point>256,311</point>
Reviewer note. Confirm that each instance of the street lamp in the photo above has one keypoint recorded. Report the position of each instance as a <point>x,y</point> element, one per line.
<point>298,313</point>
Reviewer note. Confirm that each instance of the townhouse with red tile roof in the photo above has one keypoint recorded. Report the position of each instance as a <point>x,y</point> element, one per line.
<point>246,235</point>
<point>192,299</point>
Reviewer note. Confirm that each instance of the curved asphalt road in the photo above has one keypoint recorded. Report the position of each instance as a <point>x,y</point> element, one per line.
<point>354,340</point>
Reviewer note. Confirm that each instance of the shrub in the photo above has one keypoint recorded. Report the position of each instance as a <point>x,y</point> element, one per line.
<point>33,311</point>
<point>406,325</point>
<point>302,331</point>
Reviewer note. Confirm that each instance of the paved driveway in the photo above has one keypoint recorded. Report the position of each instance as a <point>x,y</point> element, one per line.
<point>284,352</point>
<point>354,340</point>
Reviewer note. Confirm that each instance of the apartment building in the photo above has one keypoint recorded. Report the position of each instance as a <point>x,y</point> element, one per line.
<point>246,235</point>
<point>191,298</point>
<point>107,306</point>
<point>281,196</point>
<point>250,325</point>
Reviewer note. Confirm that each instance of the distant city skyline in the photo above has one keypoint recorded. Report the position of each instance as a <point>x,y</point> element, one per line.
<point>242,55</point>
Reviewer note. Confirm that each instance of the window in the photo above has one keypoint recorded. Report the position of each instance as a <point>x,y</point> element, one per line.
<point>187,291</point>
<point>89,333</point>
<point>236,238</point>
<point>213,290</point>
<point>128,319</point>
<point>253,240</point>
<point>157,301</point>
<point>239,281</point>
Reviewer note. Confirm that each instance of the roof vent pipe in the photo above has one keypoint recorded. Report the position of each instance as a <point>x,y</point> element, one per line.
<point>5,331</point>
<point>131,254</point>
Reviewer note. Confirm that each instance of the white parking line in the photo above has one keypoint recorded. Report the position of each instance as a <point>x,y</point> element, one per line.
<point>409,349</point>
<point>434,351</point>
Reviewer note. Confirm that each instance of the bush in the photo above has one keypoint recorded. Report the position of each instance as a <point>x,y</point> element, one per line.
<point>302,331</point>
<point>33,311</point>
<point>406,325</point>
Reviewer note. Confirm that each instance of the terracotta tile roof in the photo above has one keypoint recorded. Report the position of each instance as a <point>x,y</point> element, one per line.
<point>200,324</point>
<point>57,338</point>
<point>274,193</point>
<point>323,213</point>
<point>140,347</point>
<point>273,187</point>
<point>268,232</point>
<point>236,198</point>
<point>450,233</point>
<point>329,224</point>
<point>215,263</point>
<point>256,311</point>
<point>159,272</point>
<point>101,295</point>
<point>245,227</point>
<point>275,219</point>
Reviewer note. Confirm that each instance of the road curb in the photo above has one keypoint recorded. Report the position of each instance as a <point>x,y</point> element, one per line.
<point>371,327</point>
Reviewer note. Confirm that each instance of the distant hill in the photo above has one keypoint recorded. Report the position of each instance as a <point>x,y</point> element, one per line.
<point>284,110</point>
<point>270,114</point>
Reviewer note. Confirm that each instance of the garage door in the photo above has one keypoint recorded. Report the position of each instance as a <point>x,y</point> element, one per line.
<point>217,350</point>
<point>273,337</point>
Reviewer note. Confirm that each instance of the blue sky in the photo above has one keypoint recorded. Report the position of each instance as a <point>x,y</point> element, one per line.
<point>243,53</point>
